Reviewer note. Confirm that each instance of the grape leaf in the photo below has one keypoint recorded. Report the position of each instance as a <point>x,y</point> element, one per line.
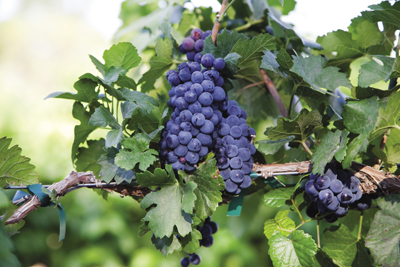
<point>395,73</point>
<point>168,212</point>
<point>390,156</point>
<point>144,102</point>
<point>365,32</point>
<point>268,147</point>
<point>279,197</point>
<point>158,64</point>
<point>301,127</point>
<point>86,91</point>
<point>388,116</point>
<point>14,168</point>
<point>257,8</point>
<point>209,187</point>
<point>323,260</point>
<point>7,258</point>
<point>386,13</point>
<point>298,250</point>
<point>82,131</point>
<point>250,49</point>
<point>114,137</point>
<point>312,69</point>
<point>284,60</point>
<point>340,245</point>
<point>87,157</point>
<point>372,72</point>
<point>127,82</point>
<point>226,41</point>
<point>99,66</point>
<point>358,144</point>
<point>160,177</point>
<point>166,245</point>
<point>102,117</point>
<point>332,143</point>
<point>127,109</point>
<point>112,75</point>
<point>109,170</point>
<point>123,54</point>
<point>362,258</point>
<point>232,62</point>
<point>269,62</point>
<point>280,224</point>
<point>361,116</point>
<point>383,238</point>
<point>190,242</point>
<point>136,150</point>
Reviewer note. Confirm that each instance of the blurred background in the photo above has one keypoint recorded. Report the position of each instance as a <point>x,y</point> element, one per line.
<point>45,47</point>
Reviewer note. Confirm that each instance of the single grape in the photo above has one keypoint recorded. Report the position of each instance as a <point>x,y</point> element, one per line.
<point>195,259</point>
<point>219,64</point>
<point>185,75</point>
<point>236,131</point>
<point>237,176</point>
<point>226,174</point>
<point>214,119</point>
<point>190,97</point>
<point>188,44</point>
<point>163,153</point>
<point>207,112</point>
<point>175,129</point>
<point>207,242</point>
<point>205,34</point>
<point>203,151</point>
<point>214,227</point>
<point>230,186</point>
<point>354,184</point>
<point>341,211</point>
<point>194,66</point>
<point>195,107</point>
<point>231,150</point>
<point>185,262</point>
<point>172,141</point>
<point>246,182</point>
<point>197,77</point>
<point>345,196</point>
<point>336,186</point>
<point>190,55</point>
<point>208,86</point>
<point>189,167</point>
<point>182,160</point>
<point>198,45</point>
<point>196,34</point>
<point>312,210</point>
<point>197,57</point>
<point>310,189</point>
<point>185,116</point>
<point>223,129</point>
<point>244,153</point>
<point>184,137</point>
<point>194,145</point>
<point>181,150</point>
<point>222,162</point>
<point>364,203</point>
<point>198,119</point>
<point>171,157</point>
<point>228,140</point>
<point>178,166</point>
<point>241,142</point>
<point>358,194</point>
<point>325,196</point>
<point>204,139</point>
<point>181,104</point>
<point>205,99</point>
<point>208,127</point>
<point>332,176</point>
<point>205,231</point>
<point>333,206</point>
<point>194,131</point>
<point>322,182</point>
<point>246,168</point>
<point>234,110</point>
<point>207,60</point>
<point>219,94</point>
<point>232,120</point>
<point>220,81</point>
<point>173,79</point>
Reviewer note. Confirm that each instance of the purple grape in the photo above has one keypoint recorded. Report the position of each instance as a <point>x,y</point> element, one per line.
<point>226,174</point>
<point>197,77</point>
<point>232,120</point>
<point>322,182</point>
<point>205,99</point>
<point>207,112</point>
<point>190,97</point>
<point>184,137</point>
<point>194,145</point>
<point>196,34</point>
<point>195,107</point>
<point>230,186</point>
<point>203,151</point>
<point>181,104</point>
<point>198,119</point>
<point>181,150</point>
<point>185,262</point>
<point>222,162</point>
<point>345,196</point>
<point>188,44</point>
<point>236,163</point>
<point>236,131</point>
<point>197,57</point>
<point>231,151</point>
<point>198,45</point>
<point>207,60</point>
<point>220,81</point>
<point>336,186</point>
<point>214,227</point>
<point>333,206</point>
<point>207,128</point>
<point>246,182</point>
<point>325,196</point>
<point>185,116</point>
<point>172,141</point>
<point>219,94</point>
<point>190,55</point>
<point>208,86</point>
<point>237,176</point>
<point>192,157</point>
<point>204,139</point>
<point>228,140</point>
<point>219,64</point>
<point>207,242</point>
<point>205,34</point>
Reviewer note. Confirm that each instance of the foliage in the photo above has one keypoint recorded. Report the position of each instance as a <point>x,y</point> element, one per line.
<point>309,75</point>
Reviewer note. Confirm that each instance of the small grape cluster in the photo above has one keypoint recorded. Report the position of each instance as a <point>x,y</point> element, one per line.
<point>207,230</point>
<point>193,45</point>
<point>334,193</point>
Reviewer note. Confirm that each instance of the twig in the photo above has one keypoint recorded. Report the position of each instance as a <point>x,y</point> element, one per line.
<point>248,86</point>
<point>381,146</point>
<point>271,88</point>
<point>217,23</point>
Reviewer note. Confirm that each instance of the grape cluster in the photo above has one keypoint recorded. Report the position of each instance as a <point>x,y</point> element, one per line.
<point>207,230</point>
<point>334,193</point>
<point>195,96</point>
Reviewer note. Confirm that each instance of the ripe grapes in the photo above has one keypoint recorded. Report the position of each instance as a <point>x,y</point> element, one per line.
<point>334,193</point>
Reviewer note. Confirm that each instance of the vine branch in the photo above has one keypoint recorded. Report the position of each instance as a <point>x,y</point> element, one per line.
<point>271,88</point>
<point>217,22</point>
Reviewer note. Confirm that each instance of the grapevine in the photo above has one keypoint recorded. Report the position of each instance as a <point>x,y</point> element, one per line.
<point>234,108</point>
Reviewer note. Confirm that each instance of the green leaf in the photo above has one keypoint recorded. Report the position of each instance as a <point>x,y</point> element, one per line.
<point>301,127</point>
<point>269,62</point>
<point>386,13</point>
<point>136,150</point>
<point>312,69</point>
<point>268,147</point>
<point>232,62</point>
<point>209,187</point>
<point>168,211</point>
<point>362,258</point>
<point>99,66</point>
<point>7,258</point>
<point>226,41</point>
<point>102,117</point>
<point>82,131</point>
<point>358,144</point>
<point>113,74</point>
<point>166,245</point>
<point>390,156</point>
<point>388,116</point>
<point>279,197</point>
<point>281,224</point>
<point>13,229</point>
<point>14,168</point>
<point>114,137</point>
<point>284,60</point>
<point>126,82</point>
<point>87,157</point>
<point>158,64</point>
<point>365,32</point>
<point>123,55</point>
<point>144,102</point>
<point>298,250</point>
<point>86,92</point>
<point>160,177</point>
<point>250,49</point>
<point>190,242</point>
<point>373,72</point>
<point>323,260</point>
<point>340,245</point>
<point>341,42</point>
<point>332,143</point>
<point>110,171</point>
<point>360,116</point>
<point>383,238</point>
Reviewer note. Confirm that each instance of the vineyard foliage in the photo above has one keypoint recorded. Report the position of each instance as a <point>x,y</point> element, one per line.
<point>329,117</point>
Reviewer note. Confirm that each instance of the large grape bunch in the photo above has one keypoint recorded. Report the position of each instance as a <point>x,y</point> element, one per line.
<point>334,193</point>
<point>207,230</point>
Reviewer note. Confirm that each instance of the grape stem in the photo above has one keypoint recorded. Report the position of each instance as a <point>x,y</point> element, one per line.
<point>306,148</point>
<point>318,238</point>
<point>218,19</point>
<point>377,164</point>
<point>360,225</point>
<point>291,99</point>
<point>272,90</point>
<point>297,209</point>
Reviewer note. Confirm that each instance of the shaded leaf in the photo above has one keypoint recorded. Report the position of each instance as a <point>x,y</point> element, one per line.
<point>86,91</point>
<point>87,157</point>
<point>102,117</point>
<point>372,72</point>
<point>109,170</point>
<point>271,147</point>
<point>269,62</point>
<point>360,116</point>
<point>166,245</point>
